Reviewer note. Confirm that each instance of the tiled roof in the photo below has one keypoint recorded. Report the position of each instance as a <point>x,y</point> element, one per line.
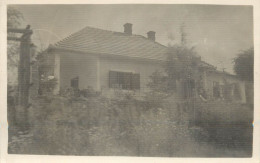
<point>93,40</point>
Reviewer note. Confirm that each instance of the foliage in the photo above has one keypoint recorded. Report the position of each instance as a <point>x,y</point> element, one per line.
<point>47,84</point>
<point>181,60</point>
<point>89,92</point>
<point>79,93</point>
<point>14,19</point>
<point>126,127</point>
<point>101,126</point>
<point>158,82</point>
<point>181,64</point>
<point>227,125</point>
<point>12,62</point>
<point>244,65</point>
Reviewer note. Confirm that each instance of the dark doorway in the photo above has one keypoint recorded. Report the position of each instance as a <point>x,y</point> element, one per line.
<point>74,83</point>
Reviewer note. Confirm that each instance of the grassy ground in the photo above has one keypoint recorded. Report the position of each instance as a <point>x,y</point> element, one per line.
<point>129,127</point>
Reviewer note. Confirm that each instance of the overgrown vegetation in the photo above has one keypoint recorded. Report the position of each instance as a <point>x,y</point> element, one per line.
<point>130,127</point>
<point>244,65</point>
<point>182,64</point>
<point>244,68</point>
<point>14,19</point>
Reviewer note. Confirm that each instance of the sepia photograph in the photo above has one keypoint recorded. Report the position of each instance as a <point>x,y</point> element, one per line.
<point>141,80</point>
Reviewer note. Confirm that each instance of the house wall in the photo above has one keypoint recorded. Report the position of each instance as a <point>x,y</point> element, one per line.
<point>144,67</point>
<point>82,65</point>
<point>93,70</point>
<point>223,79</point>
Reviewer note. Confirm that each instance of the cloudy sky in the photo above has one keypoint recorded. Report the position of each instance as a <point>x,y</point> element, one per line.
<point>217,32</point>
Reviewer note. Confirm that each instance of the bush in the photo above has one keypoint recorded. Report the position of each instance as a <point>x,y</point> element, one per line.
<point>99,126</point>
<point>89,92</point>
<point>125,126</point>
<point>47,85</point>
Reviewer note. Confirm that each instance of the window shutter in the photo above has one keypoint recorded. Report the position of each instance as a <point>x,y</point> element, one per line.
<point>112,79</point>
<point>136,81</point>
<point>120,78</point>
<point>127,77</point>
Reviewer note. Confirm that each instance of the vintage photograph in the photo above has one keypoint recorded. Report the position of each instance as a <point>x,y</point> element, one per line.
<point>142,80</point>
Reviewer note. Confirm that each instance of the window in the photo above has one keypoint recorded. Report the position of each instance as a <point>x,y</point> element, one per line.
<point>74,83</point>
<point>124,80</point>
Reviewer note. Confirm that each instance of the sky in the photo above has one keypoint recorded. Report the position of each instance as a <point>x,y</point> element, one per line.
<point>217,32</point>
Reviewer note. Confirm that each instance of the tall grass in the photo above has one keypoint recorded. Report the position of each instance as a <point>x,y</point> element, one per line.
<point>120,127</point>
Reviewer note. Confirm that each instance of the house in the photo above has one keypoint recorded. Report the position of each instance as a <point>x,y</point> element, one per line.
<point>222,85</point>
<point>207,82</point>
<point>104,60</point>
<point>107,60</point>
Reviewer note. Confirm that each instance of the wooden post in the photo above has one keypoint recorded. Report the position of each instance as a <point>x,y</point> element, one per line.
<point>24,70</point>
<point>21,112</point>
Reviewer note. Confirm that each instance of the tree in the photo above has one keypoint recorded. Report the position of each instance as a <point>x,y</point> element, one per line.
<point>244,65</point>
<point>180,65</point>
<point>181,61</point>
<point>14,19</point>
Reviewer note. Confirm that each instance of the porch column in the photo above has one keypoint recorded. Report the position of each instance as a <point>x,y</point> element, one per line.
<point>57,73</point>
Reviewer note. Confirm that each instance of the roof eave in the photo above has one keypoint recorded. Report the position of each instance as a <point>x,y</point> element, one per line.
<point>53,48</point>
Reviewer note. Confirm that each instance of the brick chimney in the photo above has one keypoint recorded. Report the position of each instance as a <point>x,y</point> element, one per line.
<point>151,35</point>
<point>128,28</point>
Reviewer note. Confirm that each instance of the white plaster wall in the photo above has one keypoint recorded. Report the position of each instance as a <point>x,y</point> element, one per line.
<point>82,65</point>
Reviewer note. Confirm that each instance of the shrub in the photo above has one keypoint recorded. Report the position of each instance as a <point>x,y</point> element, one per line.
<point>125,126</point>
<point>47,85</point>
<point>89,92</point>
